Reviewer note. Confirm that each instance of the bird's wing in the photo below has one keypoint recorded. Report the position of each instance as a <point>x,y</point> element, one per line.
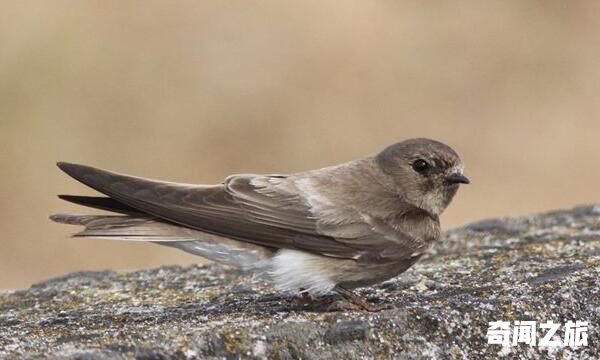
<point>263,210</point>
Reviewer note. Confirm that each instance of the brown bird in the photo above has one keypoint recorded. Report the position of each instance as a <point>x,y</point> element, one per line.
<point>315,232</point>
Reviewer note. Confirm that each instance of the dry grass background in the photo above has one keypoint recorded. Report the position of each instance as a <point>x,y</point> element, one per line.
<point>195,90</point>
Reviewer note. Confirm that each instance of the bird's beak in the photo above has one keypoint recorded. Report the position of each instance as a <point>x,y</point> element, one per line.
<point>458,179</point>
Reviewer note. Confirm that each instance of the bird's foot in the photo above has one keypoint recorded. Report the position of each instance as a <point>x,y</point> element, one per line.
<point>349,301</point>
<point>303,298</point>
<point>352,301</point>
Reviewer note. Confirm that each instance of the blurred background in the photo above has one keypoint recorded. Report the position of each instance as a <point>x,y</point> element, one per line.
<point>192,91</point>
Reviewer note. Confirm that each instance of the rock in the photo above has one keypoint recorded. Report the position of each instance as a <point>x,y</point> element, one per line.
<point>540,267</point>
<point>347,331</point>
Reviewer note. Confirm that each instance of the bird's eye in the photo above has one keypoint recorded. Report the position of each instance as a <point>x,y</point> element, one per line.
<point>420,166</point>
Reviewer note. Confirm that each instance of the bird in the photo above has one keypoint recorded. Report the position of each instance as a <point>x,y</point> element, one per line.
<point>313,233</point>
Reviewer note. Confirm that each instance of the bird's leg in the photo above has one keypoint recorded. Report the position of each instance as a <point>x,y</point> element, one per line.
<point>349,301</point>
<point>355,302</point>
<point>330,302</point>
<point>303,298</point>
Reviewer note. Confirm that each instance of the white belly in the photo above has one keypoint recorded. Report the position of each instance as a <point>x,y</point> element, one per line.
<point>294,271</point>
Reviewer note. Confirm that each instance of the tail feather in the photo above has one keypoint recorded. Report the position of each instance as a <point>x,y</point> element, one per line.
<point>123,227</point>
<point>144,228</point>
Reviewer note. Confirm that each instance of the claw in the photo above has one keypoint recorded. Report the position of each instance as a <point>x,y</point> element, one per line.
<point>349,302</point>
<point>303,298</point>
<point>358,302</point>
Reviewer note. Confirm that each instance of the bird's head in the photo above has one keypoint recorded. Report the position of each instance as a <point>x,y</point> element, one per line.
<point>425,173</point>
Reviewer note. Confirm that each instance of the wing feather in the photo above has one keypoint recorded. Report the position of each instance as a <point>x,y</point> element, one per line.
<point>260,209</point>
<point>220,209</point>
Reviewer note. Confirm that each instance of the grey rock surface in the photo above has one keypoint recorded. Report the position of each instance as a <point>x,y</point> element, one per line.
<point>541,267</point>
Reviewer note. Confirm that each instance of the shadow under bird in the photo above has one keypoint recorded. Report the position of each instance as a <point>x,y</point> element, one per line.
<point>314,233</point>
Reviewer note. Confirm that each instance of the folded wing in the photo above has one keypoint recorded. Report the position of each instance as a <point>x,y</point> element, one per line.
<point>263,210</point>
<point>244,207</point>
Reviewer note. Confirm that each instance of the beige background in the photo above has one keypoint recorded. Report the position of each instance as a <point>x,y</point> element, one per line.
<point>195,90</point>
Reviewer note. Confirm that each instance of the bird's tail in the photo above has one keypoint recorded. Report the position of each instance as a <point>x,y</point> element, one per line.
<point>126,227</point>
<point>139,227</point>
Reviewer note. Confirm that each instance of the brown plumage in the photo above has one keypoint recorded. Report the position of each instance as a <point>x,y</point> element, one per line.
<point>334,228</point>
